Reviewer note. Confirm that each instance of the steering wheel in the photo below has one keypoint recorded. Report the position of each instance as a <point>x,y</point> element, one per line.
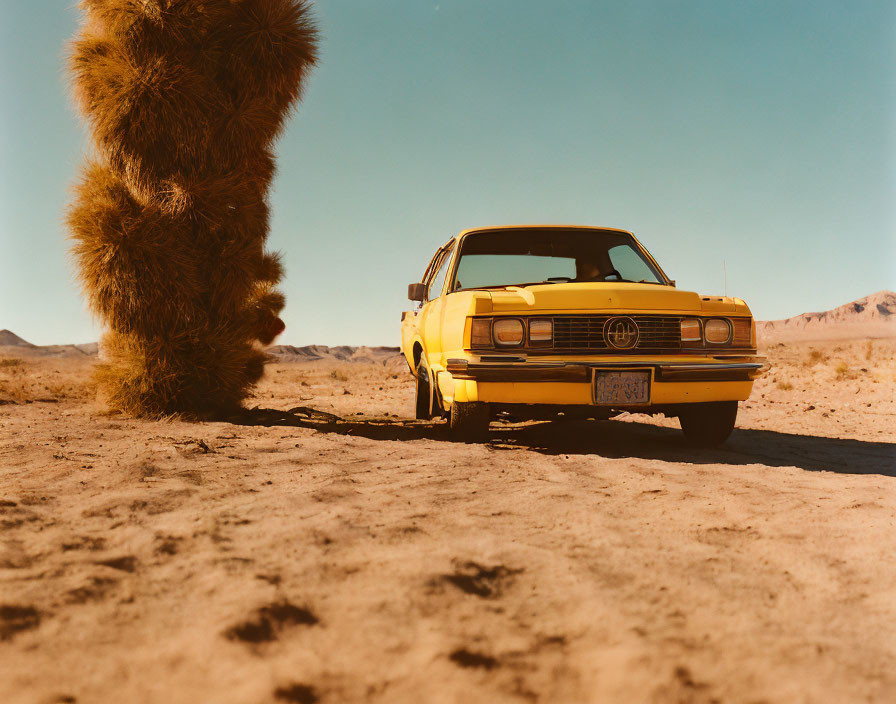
<point>612,272</point>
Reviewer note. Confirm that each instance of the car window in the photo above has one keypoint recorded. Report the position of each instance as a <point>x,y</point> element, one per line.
<point>630,264</point>
<point>438,279</point>
<point>432,264</point>
<point>482,270</point>
<point>524,256</point>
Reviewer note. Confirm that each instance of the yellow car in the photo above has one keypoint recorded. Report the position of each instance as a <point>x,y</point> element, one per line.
<point>552,321</point>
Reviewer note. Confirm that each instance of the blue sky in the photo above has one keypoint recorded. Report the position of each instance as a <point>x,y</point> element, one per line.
<point>761,134</point>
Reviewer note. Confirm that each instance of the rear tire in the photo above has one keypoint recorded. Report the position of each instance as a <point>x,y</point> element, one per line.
<point>469,421</point>
<point>708,424</point>
<point>422,394</point>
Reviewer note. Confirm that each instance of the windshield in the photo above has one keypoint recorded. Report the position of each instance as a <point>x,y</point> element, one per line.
<point>521,257</point>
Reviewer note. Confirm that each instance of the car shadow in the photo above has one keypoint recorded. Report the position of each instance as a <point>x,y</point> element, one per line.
<point>614,439</point>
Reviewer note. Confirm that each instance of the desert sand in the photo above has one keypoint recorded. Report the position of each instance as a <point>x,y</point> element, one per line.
<point>299,556</point>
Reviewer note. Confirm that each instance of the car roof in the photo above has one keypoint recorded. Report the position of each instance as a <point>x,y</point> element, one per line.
<point>492,228</point>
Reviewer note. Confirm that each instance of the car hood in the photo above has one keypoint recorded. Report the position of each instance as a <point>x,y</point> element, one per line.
<point>606,296</point>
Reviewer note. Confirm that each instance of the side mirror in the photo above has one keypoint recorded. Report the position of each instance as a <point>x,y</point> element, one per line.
<point>672,283</point>
<point>416,292</point>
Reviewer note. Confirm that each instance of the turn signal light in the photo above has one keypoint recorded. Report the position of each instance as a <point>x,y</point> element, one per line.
<point>541,333</point>
<point>690,330</point>
<point>481,332</point>
<point>743,332</point>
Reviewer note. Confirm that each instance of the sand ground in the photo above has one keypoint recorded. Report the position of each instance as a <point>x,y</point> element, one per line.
<point>292,557</point>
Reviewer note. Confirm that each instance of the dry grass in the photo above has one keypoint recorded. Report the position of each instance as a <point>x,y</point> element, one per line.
<point>13,386</point>
<point>169,225</point>
<point>816,371</point>
<point>816,357</point>
<point>44,380</point>
<point>13,391</point>
<point>785,386</point>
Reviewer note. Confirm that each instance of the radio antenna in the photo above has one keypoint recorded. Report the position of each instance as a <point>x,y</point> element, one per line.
<point>725,269</point>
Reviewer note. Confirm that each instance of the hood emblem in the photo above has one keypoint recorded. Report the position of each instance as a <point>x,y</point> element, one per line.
<point>621,333</point>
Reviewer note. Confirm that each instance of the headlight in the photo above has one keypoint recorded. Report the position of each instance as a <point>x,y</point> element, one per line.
<point>481,332</point>
<point>508,332</point>
<point>690,330</point>
<point>717,331</point>
<point>541,333</point>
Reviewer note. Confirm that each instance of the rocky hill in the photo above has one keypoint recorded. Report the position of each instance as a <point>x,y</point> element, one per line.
<point>872,316</point>
<point>13,345</point>
<point>310,353</point>
<point>9,339</point>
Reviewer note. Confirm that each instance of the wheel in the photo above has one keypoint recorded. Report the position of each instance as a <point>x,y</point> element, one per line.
<point>422,393</point>
<point>469,421</point>
<point>708,424</point>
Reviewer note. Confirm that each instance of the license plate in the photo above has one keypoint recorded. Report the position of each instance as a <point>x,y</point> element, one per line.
<point>622,388</point>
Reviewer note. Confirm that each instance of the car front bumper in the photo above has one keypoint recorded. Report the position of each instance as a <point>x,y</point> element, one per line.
<point>524,370</point>
<point>507,379</point>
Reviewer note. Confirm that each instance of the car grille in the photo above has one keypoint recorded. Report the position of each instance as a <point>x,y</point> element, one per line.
<point>575,333</point>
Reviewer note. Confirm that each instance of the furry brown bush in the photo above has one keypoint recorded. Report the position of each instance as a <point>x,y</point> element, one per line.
<point>184,99</point>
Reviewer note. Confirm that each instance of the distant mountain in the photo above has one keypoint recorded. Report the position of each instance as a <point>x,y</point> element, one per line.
<point>9,339</point>
<point>11,344</point>
<point>871,316</point>
<point>15,345</point>
<point>310,353</point>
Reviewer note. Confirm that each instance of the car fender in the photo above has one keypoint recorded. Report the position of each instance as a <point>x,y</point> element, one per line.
<point>416,340</point>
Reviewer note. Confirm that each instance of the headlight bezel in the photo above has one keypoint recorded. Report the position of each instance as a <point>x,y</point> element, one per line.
<point>740,332</point>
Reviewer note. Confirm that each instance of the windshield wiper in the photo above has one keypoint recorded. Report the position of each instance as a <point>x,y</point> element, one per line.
<point>562,280</point>
<point>552,280</point>
<point>632,281</point>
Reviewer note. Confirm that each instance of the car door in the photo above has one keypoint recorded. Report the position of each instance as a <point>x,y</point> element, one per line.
<point>432,311</point>
<point>412,320</point>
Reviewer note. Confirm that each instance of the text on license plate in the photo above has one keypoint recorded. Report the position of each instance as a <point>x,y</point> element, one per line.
<point>624,388</point>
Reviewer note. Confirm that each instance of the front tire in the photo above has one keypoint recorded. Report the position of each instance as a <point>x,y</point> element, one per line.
<point>469,421</point>
<point>708,424</point>
<point>422,393</point>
